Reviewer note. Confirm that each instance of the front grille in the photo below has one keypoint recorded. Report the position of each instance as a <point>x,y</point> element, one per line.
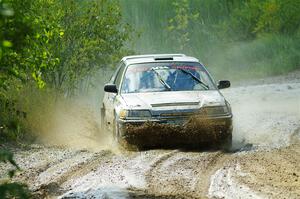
<point>176,104</point>
<point>177,114</point>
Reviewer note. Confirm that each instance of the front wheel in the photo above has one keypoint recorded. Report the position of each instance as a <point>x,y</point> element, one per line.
<point>116,134</point>
<point>120,141</point>
<point>227,143</point>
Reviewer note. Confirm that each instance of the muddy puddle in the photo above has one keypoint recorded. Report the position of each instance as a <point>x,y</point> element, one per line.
<point>263,163</point>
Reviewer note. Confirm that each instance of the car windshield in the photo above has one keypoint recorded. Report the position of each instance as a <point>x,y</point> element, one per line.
<point>155,77</point>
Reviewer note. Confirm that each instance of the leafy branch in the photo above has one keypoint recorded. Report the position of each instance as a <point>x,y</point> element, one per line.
<point>10,189</point>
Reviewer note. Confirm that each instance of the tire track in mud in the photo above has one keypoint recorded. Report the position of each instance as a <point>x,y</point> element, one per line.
<point>49,181</point>
<point>150,175</point>
<point>161,159</point>
<point>39,162</point>
<point>184,175</point>
<point>260,173</point>
<point>221,161</point>
<point>165,174</point>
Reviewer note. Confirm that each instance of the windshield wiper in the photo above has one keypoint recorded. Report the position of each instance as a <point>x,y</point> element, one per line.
<point>195,78</point>
<point>163,82</point>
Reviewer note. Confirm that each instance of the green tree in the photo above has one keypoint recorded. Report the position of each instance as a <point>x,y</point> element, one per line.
<point>15,27</point>
<point>250,18</point>
<point>59,43</point>
<point>279,16</point>
<point>77,39</point>
<point>55,45</point>
<point>179,25</point>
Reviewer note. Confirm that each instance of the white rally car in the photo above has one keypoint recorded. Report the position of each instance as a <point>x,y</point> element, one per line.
<point>166,100</point>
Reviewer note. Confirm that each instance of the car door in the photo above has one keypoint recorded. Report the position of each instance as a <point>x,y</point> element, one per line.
<point>109,100</point>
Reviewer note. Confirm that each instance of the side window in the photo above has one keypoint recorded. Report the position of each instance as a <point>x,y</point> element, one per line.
<point>113,77</point>
<point>118,78</point>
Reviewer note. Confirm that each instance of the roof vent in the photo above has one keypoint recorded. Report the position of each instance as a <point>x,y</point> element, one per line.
<point>154,56</point>
<point>163,58</point>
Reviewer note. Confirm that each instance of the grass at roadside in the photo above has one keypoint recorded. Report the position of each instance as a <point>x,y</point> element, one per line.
<point>268,55</point>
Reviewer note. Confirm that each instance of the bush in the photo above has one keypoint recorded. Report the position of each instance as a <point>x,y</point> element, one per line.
<point>10,189</point>
<point>56,45</point>
<point>234,39</point>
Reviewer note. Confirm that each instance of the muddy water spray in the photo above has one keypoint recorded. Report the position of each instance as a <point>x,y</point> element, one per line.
<point>71,122</point>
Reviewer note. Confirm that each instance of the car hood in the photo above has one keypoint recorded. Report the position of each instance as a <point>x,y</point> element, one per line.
<point>175,99</point>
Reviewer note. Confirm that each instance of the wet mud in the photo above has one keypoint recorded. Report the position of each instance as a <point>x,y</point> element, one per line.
<point>196,133</point>
<point>263,163</point>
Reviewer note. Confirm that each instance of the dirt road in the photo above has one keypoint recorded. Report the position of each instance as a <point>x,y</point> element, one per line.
<point>265,161</point>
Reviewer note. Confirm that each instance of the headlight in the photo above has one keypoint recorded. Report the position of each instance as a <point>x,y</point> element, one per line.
<point>138,114</point>
<point>123,114</point>
<point>214,110</point>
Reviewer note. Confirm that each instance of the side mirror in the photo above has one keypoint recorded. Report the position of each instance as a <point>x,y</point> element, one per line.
<point>110,88</point>
<point>223,84</point>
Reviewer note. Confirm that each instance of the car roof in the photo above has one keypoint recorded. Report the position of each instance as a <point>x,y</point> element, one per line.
<point>157,58</point>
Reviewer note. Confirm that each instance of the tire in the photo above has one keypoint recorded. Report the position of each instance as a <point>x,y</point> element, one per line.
<point>227,143</point>
<point>102,119</point>
<point>121,142</point>
<point>116,134</point>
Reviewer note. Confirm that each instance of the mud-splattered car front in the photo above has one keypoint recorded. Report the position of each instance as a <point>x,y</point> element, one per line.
<point>166,100</point>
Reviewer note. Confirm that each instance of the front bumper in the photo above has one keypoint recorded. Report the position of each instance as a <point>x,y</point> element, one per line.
<point>167,132</point>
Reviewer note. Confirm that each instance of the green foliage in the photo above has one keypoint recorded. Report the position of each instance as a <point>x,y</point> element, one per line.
<point>59,43</point>
<point>254,17</point>
<point>279,17</point>
<point>56,45</point>
<point>77,40</point>
<point>245,37</point>
<point>12,118</point>
<point>181,23</point>
<point>15,27</point>
<point>12,189</point>
<point>14,30</point>
<point>6,156</point>
<point>241,21</point>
